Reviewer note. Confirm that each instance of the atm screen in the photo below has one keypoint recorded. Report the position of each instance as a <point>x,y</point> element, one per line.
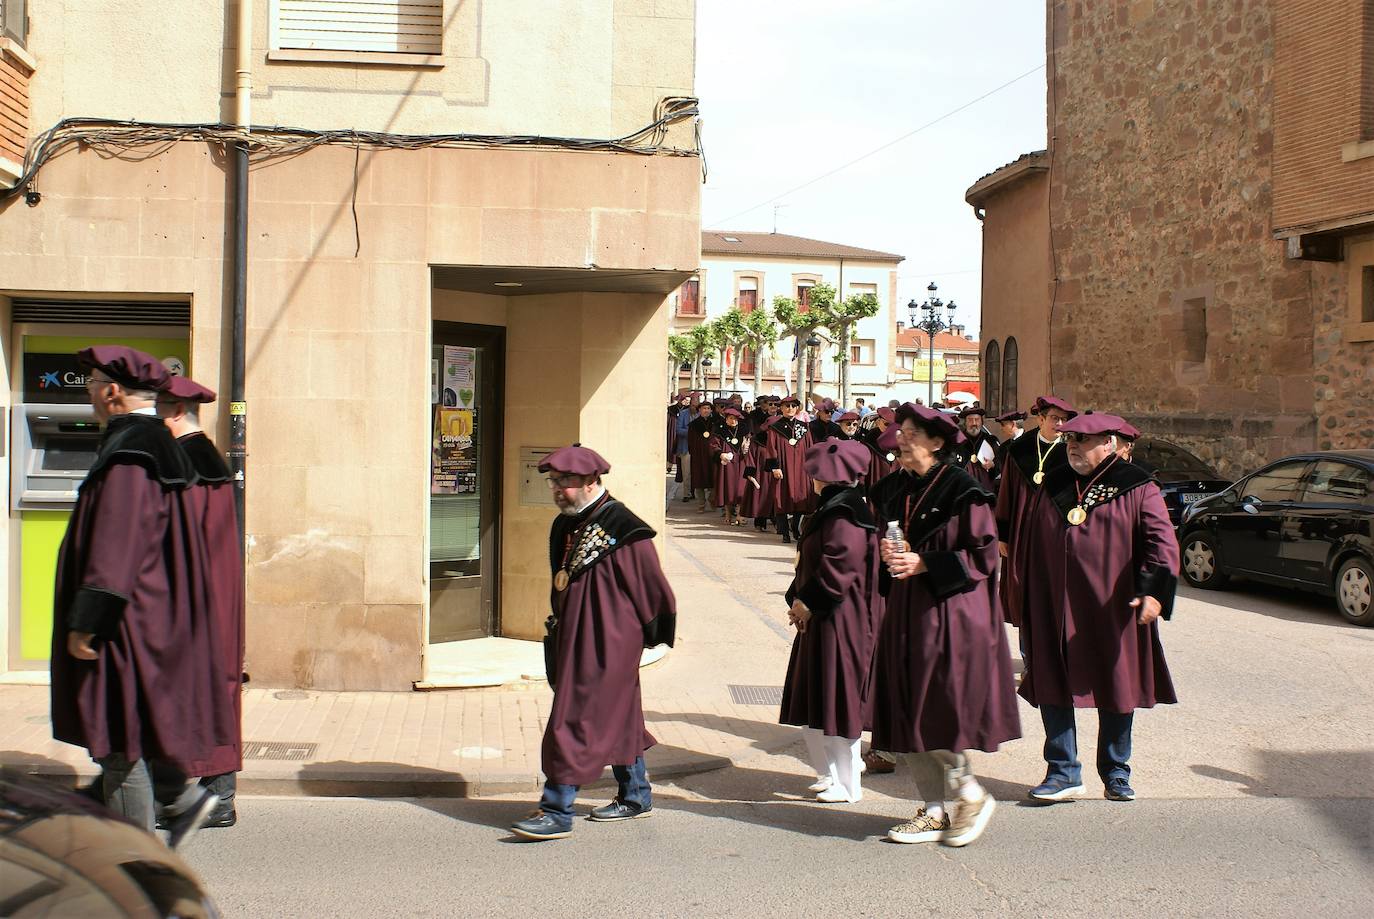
<point>68,454</point>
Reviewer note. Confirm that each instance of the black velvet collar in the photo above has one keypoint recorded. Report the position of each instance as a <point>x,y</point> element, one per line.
<point>968,449</point>
<point>599,530</point>
<point>144,440</point>
<point>1110,480</point>
<point>205,457</point>
<point>790,429</point>
<point>951,491</point>
<point>1023,453</point>
<point>841,500</point>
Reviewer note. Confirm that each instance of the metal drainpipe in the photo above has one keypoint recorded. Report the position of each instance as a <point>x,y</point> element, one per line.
<point>238,405</point>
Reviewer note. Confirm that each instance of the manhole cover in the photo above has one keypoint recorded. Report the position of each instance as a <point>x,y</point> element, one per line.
<point>278,749</point>
<point>291,695</point>
<point>755,695</point>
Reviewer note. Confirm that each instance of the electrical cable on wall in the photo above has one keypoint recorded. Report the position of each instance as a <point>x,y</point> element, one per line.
<point>118,138</point>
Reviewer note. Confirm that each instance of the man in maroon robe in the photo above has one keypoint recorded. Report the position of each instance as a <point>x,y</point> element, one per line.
<point>836,609</point>
<point>788,440</point>
<point>977,453</point>
<point>1105,558</point>
<point>880,437</point>
<point>699,433</point>
<point>212,502</point>
<point>728,447</point>
<point>610,600</point>
<point>1030,458</point>
<point>136,677</point>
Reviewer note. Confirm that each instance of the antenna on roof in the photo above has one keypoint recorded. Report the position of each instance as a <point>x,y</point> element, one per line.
<point>775,216</point>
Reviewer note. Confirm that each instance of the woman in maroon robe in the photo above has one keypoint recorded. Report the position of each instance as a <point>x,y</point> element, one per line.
<point>835,608</point>
<point>788,440</point>
<point>728,448</point>
<point>699,433</point>
<point>942,670</point>
<point>759,487</point>
<point>1030,458</point>
<point>609,601</point>
<point>1106,559</point>
<point>881,439</point>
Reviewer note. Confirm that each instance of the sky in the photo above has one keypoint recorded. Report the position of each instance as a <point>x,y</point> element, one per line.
<point>792,89</point>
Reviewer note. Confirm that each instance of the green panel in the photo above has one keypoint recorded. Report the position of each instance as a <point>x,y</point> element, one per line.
<point>40,537</point>
<point>157,347</point>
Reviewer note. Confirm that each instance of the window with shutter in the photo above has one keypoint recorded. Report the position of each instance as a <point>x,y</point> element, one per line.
<point>395,26</point>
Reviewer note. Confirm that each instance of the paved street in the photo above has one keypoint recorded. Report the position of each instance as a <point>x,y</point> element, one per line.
<point>1257,799</point>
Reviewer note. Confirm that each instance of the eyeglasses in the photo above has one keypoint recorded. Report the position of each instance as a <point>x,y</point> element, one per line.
<point>1082,438</point>
<point>564,481</point>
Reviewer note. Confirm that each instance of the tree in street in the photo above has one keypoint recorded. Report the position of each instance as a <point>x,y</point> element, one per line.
<point>730,336</point>
<point>843,317</point>
<point>760,334</point>
<point>679,353</point>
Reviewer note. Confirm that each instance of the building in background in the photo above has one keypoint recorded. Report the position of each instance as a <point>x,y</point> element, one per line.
<point>1209,209</point>
<point>955,364</point>
<point>747,270</point>
<point>424,317</point>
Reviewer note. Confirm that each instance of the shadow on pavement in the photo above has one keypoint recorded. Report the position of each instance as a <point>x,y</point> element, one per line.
<point>17,762</point>
<point>1285,603</point>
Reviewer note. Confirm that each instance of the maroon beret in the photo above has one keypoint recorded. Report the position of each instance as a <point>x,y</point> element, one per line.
<point>1046,402</point>
<point>575,460</point>
<point>972,410</point>
<point>888,414</point>
<point>1012,416</point>
<point>792,399</point>
<point>887,441</point>
<point>1096,423</point>
<point>836,460</point>
<point>129,367</point>
<point>188,390</point>
<point>932,420</point>
<point>1129,431</point>
<point>825,405</point>
<point>848,416</point>
<point>732,413</point>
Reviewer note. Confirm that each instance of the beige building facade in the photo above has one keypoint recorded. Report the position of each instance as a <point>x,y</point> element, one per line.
<point>426,314</point>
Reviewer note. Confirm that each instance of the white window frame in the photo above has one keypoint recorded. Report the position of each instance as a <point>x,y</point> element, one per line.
<point>428,54</point>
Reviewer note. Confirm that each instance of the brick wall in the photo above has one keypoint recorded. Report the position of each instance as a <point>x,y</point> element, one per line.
<point>14,108</point>
<point>1323,102</point>
<point>1161,123</point>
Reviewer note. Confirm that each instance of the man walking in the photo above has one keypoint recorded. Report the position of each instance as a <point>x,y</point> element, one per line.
<point>212,503</point>
<point>610,601</point>
<point>136,677</point>
<point>1104,551</point>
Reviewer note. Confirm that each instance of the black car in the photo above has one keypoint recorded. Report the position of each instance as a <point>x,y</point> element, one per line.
<point>1304,521</point>
<point>1183,478</point>
<point>62,854</point>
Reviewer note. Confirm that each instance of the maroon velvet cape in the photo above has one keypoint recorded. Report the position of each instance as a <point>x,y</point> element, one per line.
<point>968,452</point>
<point>606,617</point>
<point>1084,646</point>
<point>760,501</point>
<point>788,441</point>
<point>828,676</point>
<point>1015,493</point>
<point>699,434</point>
<point>131,570</point>
<point>728,484</point>
<point>211,501</point>
<point>880,462</point>
<point>942,670</point>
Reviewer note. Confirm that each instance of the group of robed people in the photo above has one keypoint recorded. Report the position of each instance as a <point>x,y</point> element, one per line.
<point>903,583</point>
<point>148,631</point>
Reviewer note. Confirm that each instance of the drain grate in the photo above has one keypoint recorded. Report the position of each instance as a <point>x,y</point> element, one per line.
<point>278,749</point>
<point>755,695</point>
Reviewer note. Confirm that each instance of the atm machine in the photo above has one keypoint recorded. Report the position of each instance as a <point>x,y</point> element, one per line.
<point>54,436</point>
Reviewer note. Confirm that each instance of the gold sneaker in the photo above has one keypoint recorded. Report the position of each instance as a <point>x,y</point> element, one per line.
<point>921,828</point>
<point>970,817</point>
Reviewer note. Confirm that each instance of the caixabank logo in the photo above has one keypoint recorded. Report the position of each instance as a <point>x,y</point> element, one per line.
<point>53,378</point>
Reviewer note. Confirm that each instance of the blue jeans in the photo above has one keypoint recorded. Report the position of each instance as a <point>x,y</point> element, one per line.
<point>558,799</point>
<point>138,788</point>
<point>1061,743</point>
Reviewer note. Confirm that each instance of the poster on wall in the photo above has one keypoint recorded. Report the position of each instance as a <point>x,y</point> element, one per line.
<point>453,469</point>
<point>434,381</point>
<point>459,377</point>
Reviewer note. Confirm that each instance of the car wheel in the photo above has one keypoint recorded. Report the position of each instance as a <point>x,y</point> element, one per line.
<point>1355,591</point>
<point>1200,565</point>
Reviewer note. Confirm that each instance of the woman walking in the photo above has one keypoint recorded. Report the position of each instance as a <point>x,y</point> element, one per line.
<point>729,448</point>
<point>835,608</point>
<point>942,669</point>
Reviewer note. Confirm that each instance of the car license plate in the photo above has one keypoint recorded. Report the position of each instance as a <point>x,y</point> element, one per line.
<point>1193,498</point>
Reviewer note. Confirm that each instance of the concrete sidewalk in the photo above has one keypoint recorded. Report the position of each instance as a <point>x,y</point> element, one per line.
<point>474,742</point>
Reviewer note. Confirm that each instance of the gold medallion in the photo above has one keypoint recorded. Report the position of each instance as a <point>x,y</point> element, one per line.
<point>1038,478</point>
<point>891,457</point>
<point>1077,515</point>
<point>560,580</point>
<point>792,441</point>
<point>706,434</point>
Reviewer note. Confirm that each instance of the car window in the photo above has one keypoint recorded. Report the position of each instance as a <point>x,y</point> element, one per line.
<point>1338,482</point>
<point>1277,484</point>
<point>1175,464</point>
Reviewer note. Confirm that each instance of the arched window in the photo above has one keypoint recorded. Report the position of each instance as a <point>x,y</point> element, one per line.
<point>1010,400</point>
<point>992,379</point>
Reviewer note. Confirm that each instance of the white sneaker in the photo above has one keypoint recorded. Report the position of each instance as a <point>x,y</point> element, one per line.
<point>821,784</point>
<point>837,795</point>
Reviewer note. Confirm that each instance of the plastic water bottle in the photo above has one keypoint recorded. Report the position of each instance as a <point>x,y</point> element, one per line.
<point>894,539</point>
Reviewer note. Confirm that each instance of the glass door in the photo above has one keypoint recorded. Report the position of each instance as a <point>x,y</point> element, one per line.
<point>464,480</point>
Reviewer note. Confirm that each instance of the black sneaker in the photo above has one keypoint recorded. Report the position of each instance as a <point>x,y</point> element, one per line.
<point>786,536</point>
<point>183,826</point>
<point>1118,789</point>
<point>540,826</point>
<point>619,810</point>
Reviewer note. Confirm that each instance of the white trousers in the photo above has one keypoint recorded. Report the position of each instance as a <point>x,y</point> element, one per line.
<point>838,758</point>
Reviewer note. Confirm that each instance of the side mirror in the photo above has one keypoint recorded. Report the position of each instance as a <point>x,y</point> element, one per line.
<point>1250,505</point>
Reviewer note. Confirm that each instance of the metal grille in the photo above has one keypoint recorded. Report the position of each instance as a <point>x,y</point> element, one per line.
<point>102,312</point>
<point>755,695</point>
<point>278,749</point>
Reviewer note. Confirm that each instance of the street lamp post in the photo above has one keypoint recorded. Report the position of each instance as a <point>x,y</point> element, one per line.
<point>932,325</point>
